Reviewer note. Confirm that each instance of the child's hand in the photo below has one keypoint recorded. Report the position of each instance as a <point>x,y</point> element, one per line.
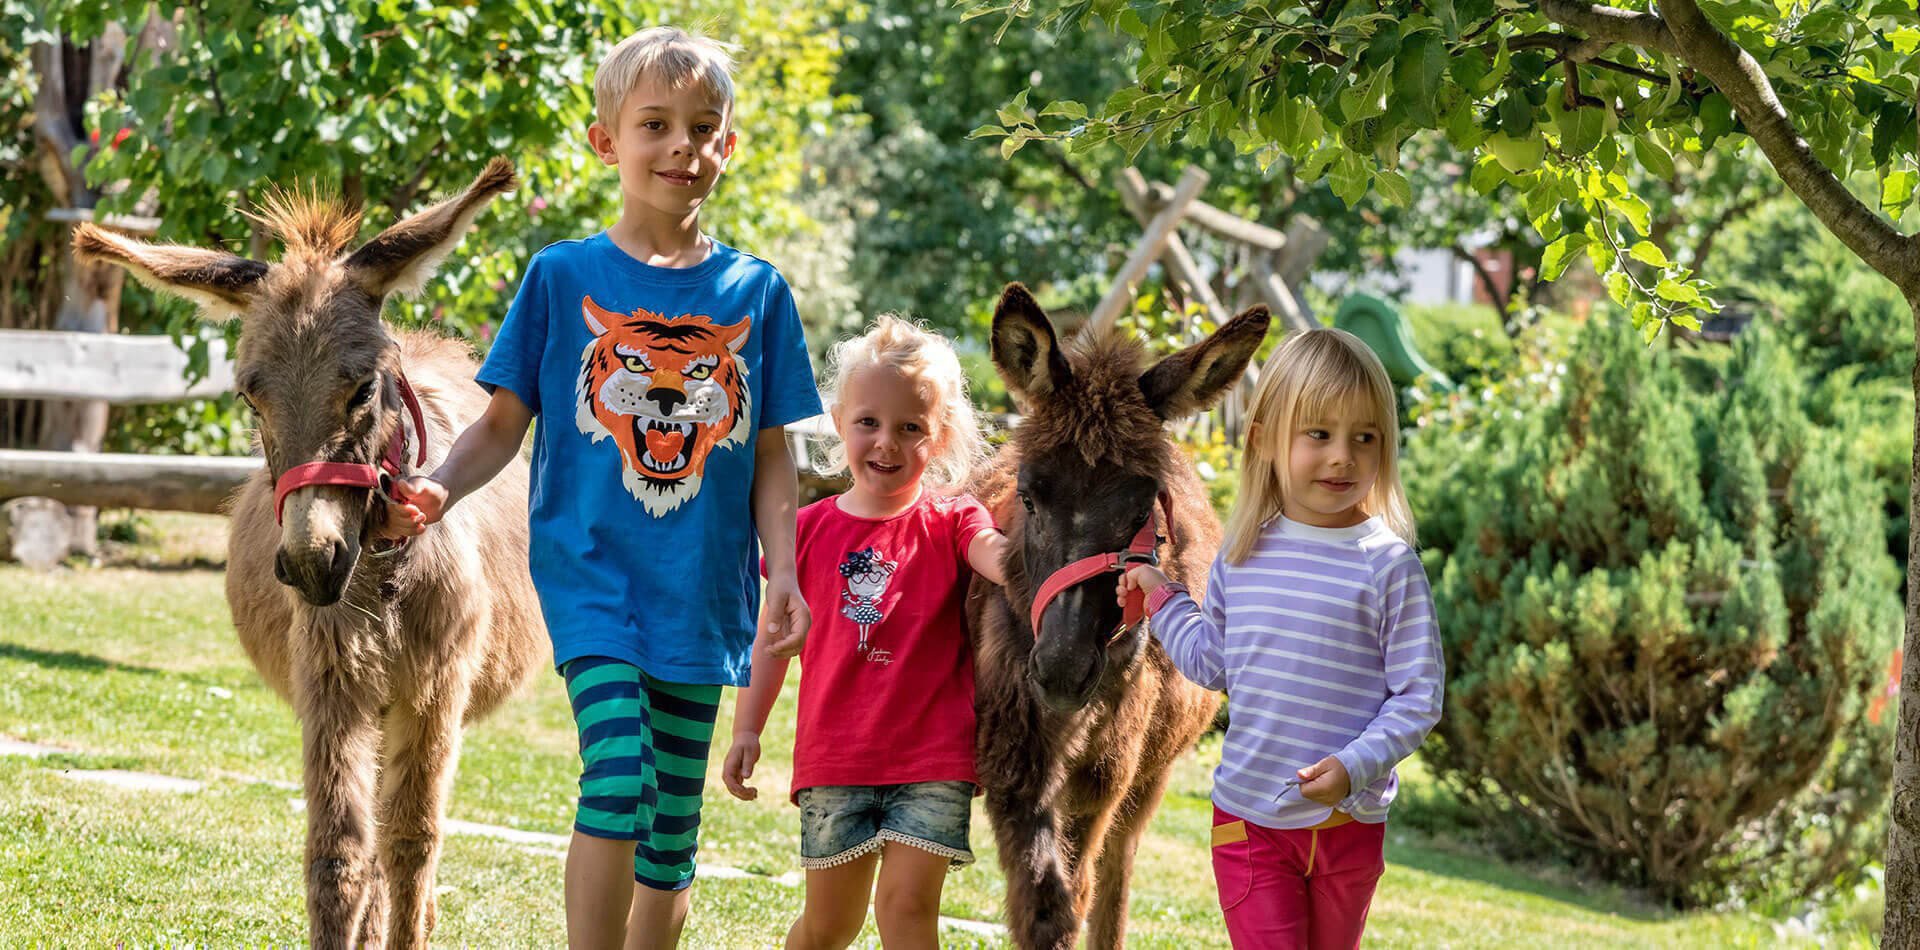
<point>1325,782</point>
<point>741,759</point>
<point>784,618</point>
<point>418,501</point>
<point>1144,578</point>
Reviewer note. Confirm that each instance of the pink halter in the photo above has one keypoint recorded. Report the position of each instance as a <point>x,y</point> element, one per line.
<point>1139,551</point>
<point>354,474</point>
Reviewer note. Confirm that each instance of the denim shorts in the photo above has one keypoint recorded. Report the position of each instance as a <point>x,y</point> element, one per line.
<point>839,823</point>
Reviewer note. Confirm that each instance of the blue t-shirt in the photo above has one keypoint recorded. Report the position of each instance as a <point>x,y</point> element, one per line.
<point>650,385</point>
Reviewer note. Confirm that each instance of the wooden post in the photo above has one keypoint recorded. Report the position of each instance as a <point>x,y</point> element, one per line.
<point>1148,250</point>
<point>1278,295</point>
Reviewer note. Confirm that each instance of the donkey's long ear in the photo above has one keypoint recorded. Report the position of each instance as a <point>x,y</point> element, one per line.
<point>223,284</point>
<point>403,257</point>
<point>1190,380</point>
<point>1024,346</point>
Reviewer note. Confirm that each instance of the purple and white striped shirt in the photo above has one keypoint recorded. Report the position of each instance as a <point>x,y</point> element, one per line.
<point>1325,642</point>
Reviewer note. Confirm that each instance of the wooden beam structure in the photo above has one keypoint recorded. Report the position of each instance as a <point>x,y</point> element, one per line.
<point>1224,223</point>
<point>1148,250</point>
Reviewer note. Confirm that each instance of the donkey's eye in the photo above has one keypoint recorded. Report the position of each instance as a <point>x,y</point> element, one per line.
<point>1027,501</point>
<point>362,395</point>
<point>245,401</point>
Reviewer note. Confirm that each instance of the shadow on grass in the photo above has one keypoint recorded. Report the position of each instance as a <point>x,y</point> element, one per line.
<point>75,662</point>
<point>1417,851</point>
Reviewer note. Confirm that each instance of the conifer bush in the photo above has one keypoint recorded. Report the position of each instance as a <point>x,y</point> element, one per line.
<point>1665,611</point>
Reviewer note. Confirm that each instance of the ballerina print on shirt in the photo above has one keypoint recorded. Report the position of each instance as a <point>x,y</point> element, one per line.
<point>867,572</point>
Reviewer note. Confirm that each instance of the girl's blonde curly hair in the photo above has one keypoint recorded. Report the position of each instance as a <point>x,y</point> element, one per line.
<point>929,361</point>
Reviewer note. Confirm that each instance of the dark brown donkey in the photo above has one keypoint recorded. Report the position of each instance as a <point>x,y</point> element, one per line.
<point>383,655</point>
<point>1079,728</point>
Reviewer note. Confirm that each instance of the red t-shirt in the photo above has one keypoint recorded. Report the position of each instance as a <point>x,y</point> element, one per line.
<point>886,676</point>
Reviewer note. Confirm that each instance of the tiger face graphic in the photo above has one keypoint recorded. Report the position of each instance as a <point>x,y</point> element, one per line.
<point>668,391</point>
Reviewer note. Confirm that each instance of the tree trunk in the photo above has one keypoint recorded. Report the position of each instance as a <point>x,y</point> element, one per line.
<point>1901,926</point>
<point>69,77</point>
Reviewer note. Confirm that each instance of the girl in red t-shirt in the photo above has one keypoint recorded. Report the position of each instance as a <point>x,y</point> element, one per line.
<point>883,750</point>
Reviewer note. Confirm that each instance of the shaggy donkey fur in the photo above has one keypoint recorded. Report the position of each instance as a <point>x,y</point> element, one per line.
<point>383,658</point>
<point>1078,735</point>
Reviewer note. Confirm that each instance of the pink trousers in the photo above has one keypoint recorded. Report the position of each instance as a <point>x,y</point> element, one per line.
<point>1307,888</point>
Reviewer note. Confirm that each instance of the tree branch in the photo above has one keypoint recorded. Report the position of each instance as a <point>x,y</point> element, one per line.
<point>1739,77</point>
<point>403,196</point>
<point>1728,215</point>
<point>1612,24</point>
<point>1487,283</point>
<point>1058,156</point>
<point>50,120</point>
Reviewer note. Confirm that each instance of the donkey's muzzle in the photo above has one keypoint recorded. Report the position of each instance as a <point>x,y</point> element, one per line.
<point>320,574</point>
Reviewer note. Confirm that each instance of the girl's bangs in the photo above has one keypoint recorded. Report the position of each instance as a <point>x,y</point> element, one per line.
<point>1325,394</point>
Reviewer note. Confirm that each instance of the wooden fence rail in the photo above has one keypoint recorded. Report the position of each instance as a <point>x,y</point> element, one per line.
<point>108,367</point>
<point>110,480</point>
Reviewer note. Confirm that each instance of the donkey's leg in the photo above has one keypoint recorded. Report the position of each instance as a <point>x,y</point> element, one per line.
<point>373,923</point>
<point>1039,900</point>
<point>339,739</point>
<point>1107,927</point>
<point>1084,836</point>
<point>423,746</point>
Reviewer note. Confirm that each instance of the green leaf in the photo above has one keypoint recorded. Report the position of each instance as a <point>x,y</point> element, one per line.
<point>1716,118</point>
<point>1349,178</point>
<point>1066,108</point>
<point>1561,253</point>
<point>1649,328</point>
<point>1015,112</point>
<point>1670,289</point>
<point>1636,210</point>
<point>987,132</point>
<point>1316,164</point>
<point>1393,187</point>
<point>1646,253</point>
<point>1418,74</point>
<point>1580,129</point>
<point>1686,319</point>
<point>1600,251</point>
<point>1619,287</point>
<point>1487,175</point>
<point>1361,101</point>
<point>1653,157</point>
<point>1896,191</point>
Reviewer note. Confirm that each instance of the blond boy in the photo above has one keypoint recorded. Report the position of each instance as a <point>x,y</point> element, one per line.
<point>662,365</point>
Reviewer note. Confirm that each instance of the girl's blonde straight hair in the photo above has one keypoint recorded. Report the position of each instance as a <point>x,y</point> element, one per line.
<point>1312,374</point>
<point>929,360</point>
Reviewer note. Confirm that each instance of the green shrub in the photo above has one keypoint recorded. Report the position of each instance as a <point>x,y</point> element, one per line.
<point>1832,307</point>
<point>1663,611</point>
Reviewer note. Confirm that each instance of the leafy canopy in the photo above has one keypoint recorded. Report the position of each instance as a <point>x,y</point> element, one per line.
<point>1340,87</point>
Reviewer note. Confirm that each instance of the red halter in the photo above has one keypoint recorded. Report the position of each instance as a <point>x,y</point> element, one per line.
<point>354,474</point>
<point>1139,551</point>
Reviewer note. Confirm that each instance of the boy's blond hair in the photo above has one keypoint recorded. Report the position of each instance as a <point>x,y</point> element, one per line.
<point>1311,375</point>
<point>668,55</point>
<point>929,360</point>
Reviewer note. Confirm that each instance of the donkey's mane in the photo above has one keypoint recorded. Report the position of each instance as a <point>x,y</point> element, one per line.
<point>1101,413</point>
<point>310,224</point>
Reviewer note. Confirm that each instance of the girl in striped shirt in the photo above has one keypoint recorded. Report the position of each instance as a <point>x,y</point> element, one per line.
<point>1318,623</point>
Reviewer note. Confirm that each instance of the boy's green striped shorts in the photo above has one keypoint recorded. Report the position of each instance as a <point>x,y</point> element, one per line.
<point>643,752</point>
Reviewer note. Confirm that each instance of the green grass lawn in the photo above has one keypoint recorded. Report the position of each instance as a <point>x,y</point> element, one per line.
<point>136,668</point>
